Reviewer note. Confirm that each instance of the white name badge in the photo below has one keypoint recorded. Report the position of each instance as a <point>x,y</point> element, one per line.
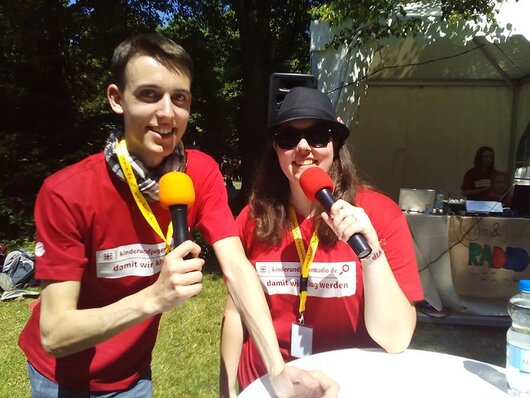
<point>301,340</point>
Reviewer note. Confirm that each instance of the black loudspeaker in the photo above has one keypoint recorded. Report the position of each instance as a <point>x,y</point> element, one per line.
<point>279,86</point>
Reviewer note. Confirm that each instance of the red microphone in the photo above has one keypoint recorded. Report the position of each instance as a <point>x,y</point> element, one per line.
<point>176,193</point>
<point>318,187</point>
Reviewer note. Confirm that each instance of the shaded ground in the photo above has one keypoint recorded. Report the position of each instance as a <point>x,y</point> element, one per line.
<point>482,343</point>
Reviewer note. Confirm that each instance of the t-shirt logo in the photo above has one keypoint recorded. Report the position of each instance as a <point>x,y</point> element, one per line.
<point>325,279</point>
<point>130,260</point>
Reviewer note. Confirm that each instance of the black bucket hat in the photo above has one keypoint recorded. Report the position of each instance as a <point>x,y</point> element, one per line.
<point>308,103</point>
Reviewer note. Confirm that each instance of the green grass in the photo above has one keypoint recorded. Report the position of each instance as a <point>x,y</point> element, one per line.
<point>13,379</point>
<point>185,359</point>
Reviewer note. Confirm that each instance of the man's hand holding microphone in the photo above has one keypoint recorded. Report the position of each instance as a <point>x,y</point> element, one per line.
<point>181,275</point>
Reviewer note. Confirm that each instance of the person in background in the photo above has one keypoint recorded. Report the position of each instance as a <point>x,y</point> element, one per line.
<point>350,302</point>
<point>477,180</point>
<point>232,191</point>
<point>105,259</point>
<point>501,188</point>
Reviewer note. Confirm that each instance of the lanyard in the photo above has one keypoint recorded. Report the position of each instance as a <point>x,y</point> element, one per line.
<point>306,259</point>
<point>141,202</point>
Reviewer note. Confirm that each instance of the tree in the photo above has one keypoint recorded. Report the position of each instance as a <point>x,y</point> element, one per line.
<point>256,64</point>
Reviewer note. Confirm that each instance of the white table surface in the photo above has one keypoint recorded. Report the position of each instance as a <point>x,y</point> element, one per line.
<point>370,373</point>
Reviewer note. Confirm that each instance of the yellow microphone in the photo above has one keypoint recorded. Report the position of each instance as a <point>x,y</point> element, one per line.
<point>176,193</point>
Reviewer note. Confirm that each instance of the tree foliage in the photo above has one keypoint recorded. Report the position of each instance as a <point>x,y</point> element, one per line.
<point>376,19</point>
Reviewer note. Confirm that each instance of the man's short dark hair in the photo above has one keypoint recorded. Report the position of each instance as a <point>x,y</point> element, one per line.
<point>164,50</point>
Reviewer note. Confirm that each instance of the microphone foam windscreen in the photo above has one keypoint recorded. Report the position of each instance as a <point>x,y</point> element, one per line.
<point>176,188</point>
<point>313,180</point>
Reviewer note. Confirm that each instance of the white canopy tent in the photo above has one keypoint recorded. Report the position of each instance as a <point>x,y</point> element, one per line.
<point>418,108</point>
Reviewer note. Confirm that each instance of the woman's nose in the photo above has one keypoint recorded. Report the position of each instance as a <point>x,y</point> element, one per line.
<point>303,145</point>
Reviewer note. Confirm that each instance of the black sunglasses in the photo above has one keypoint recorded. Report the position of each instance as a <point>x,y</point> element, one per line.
<point>316,136</point>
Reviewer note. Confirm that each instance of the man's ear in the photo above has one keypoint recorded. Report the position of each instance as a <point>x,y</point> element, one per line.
<point>114,96</point>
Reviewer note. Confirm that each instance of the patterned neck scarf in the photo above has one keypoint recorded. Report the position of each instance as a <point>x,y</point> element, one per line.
<point>147,179</point>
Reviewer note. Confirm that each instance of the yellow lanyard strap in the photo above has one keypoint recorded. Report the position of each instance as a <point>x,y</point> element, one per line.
<point>306,258</point>
<point>121,151</point>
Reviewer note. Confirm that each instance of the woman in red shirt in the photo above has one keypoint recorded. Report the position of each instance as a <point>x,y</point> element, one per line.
<point>477,180</point>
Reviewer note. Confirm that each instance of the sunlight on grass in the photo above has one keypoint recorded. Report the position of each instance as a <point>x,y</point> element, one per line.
<point>13,378</point>
<point>186,356</point>
<point>185,359</point>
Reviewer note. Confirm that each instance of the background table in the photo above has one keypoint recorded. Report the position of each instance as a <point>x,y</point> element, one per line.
<point>431,241</point>
<point>412,373</point>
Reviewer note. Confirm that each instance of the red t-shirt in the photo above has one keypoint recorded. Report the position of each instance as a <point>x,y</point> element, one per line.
<point>90,229</point>
<point>335,302</point>
<point>476,178</point>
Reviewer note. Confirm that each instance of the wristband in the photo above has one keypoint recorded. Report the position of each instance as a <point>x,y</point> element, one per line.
<point>373,256</point>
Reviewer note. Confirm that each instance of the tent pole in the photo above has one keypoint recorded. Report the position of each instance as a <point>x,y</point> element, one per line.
<point>513,127</point>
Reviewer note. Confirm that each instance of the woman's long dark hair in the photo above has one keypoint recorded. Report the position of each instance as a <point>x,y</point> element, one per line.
<point>270,193</point>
